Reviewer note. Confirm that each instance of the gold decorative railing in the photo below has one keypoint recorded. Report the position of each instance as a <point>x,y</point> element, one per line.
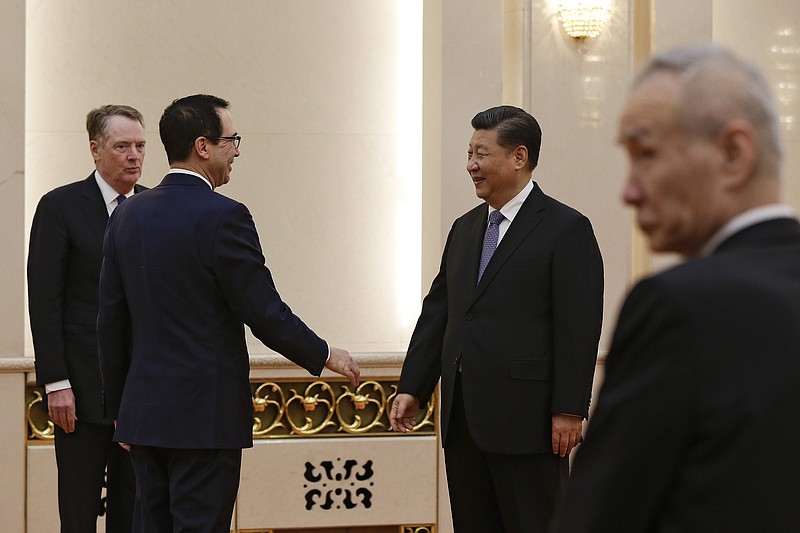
<point>290,409</point>
<point>320,408</point>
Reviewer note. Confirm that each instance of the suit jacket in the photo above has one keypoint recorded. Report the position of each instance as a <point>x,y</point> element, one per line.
<point>695,424</point>
<point>525,336</point>
<point>65,253</point>
<point>183,273</point>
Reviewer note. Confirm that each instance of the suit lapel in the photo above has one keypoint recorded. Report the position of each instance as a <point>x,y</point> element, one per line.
<point>475,229</point>
<point>529,216</point>
<point>93,207</point>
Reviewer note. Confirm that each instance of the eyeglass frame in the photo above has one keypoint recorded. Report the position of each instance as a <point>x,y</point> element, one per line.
<point>236,139</point>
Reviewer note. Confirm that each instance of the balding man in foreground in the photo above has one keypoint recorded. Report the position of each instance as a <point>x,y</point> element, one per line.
<point>695,427</point>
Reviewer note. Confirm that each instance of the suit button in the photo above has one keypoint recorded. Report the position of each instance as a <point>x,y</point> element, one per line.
<point>469,316</point>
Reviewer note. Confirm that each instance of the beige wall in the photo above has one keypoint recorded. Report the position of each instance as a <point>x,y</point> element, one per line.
<point>768,33</point>
<point>12,177</point>
<point>327,98</point>
<point>12,261</point>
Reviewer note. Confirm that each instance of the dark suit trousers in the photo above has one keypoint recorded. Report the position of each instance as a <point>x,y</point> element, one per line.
<point>83,457</point>
<point>498,492</point>
<point>182,490</point>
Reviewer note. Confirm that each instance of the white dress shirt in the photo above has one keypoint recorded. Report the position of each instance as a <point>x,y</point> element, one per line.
<point>511,209</point>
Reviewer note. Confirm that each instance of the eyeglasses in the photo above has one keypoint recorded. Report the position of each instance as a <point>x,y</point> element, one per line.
<point>235,139</point>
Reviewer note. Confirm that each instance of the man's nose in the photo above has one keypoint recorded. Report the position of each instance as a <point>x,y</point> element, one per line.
<point>631,192</point>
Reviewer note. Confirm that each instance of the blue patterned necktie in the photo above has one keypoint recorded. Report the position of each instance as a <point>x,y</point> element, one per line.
<point>490,240</point>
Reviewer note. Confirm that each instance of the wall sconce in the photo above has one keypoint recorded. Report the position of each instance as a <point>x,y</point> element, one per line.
<point>584,19</point>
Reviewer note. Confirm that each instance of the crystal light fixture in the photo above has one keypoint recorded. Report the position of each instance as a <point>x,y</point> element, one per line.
<point>584,19</point>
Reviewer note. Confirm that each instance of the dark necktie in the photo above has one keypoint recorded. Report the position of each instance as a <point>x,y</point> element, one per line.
<point>121,198</point>
<point>490,240</point>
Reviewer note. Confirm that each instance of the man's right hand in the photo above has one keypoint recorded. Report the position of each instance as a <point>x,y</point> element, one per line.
<point>404,413</point>
<point>61,408</point>
<point>343,364</point>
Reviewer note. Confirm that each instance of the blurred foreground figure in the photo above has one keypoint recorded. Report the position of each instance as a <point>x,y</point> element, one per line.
<point>695,427</point>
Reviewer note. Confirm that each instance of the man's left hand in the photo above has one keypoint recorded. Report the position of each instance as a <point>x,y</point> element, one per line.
<point>566,433</point>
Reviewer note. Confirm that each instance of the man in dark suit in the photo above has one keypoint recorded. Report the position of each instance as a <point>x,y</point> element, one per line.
<point>515,344</point>
<point>183,273</point>
<point>695,424</point>
<point>66,250</point>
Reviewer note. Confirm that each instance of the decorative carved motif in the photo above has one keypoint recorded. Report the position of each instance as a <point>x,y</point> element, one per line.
<point>318,394</point>
<point>343,486</point>
<point>328,409</point>
<point>361,401</point>
<point>418,529</point>
<point>272,409</point>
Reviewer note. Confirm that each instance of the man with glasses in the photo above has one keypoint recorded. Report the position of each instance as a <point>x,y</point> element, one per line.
<point>183,273</point>
<point>66,250</point>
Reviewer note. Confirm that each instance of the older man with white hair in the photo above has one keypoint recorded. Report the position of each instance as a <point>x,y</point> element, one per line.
<point>695,424</point>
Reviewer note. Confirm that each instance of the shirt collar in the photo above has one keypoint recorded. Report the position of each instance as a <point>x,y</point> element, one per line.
<point>745,220</point>
<point>108,192</point>
<point>513,206</point>
<point>184,171</point>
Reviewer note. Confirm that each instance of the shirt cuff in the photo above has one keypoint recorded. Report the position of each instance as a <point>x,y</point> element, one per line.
<point>57,385</point>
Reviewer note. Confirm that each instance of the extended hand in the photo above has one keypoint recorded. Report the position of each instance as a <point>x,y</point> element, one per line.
<point>61,408</point>
<point>343,364</point>
<point>566,433</point>
<point>404,412</point>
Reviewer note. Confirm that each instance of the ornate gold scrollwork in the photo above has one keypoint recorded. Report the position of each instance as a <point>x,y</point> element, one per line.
<point>363,411</point>
<point>318,394</point>
<point>361,401</point>
<point>263,403</point>
<point>40,427</point>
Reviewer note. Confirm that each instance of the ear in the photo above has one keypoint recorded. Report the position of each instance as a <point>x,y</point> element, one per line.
<point>520,157</point>
<point>201,145</point>
<point>94,147</point>
<point>739,151</point>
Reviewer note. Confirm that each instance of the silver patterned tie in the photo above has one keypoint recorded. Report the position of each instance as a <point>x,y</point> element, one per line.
<point>490,240</point>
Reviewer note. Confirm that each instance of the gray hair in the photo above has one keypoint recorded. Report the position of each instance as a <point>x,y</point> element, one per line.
<point>97,120</point>
<point>717,87</point>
